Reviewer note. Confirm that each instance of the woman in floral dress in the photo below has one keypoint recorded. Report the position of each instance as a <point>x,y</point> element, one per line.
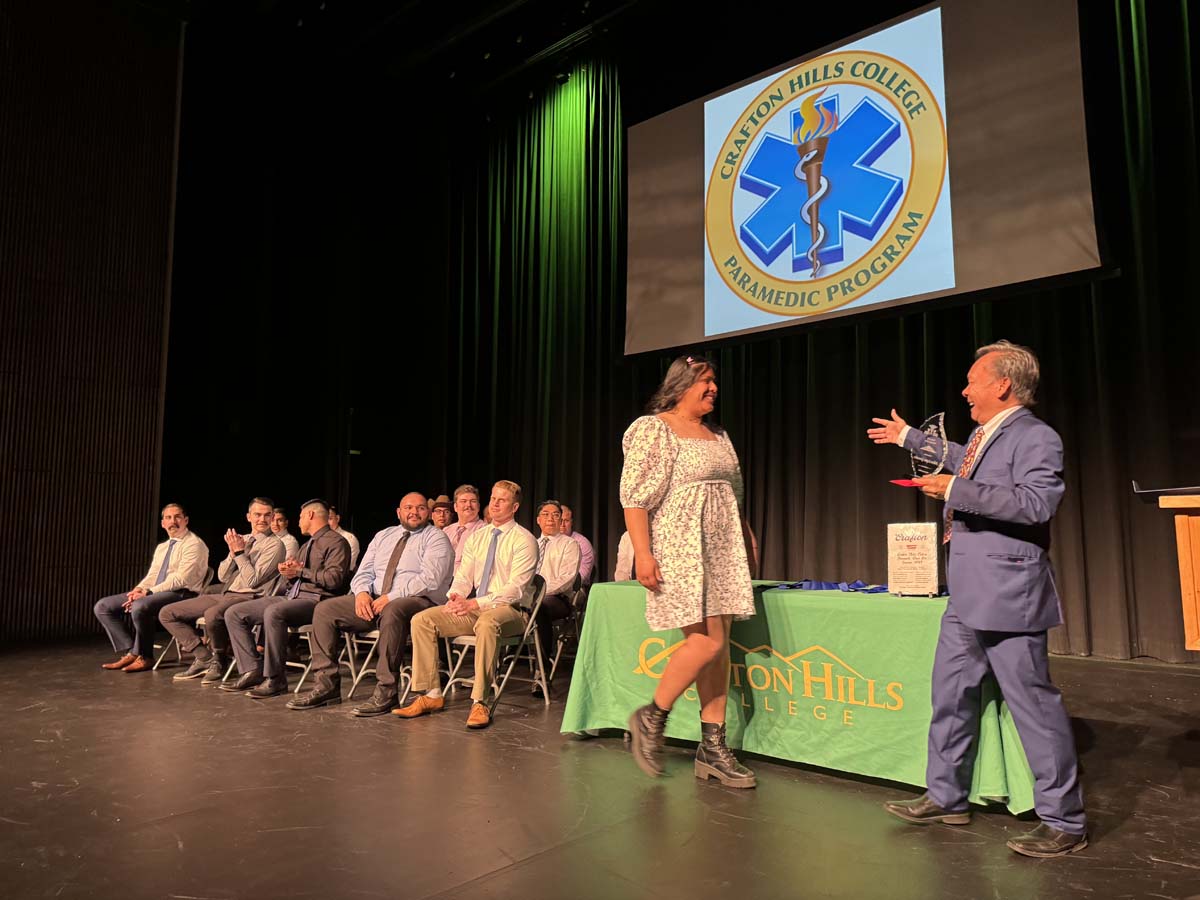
<point>682,492</point>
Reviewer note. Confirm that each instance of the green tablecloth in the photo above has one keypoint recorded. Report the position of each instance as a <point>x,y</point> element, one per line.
<point>834,679</point>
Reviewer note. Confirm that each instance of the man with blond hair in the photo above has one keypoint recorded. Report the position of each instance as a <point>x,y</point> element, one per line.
<point>498,563</point>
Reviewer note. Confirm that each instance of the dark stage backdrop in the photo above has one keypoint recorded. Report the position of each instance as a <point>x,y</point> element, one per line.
<point>87,113</point>
<point>441,303</point>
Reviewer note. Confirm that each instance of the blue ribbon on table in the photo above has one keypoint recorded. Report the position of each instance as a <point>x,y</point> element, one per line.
<point>860,587</point>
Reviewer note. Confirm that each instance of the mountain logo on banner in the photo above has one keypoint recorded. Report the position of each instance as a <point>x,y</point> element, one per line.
<point>825,183</point>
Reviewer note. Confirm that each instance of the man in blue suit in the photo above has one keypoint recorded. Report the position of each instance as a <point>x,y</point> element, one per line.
<point>998,509</point>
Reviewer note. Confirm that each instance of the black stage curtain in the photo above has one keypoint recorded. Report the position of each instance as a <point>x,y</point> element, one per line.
<point>87,113</point>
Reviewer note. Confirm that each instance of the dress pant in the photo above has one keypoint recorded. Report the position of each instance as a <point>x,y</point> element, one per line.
<point>1021,666</point>
<point>275,615</point>
<point>553,608</point>
<point>144,614</point>
<point>335,615</point>
<point>487,626</point>
<point>180,619</point>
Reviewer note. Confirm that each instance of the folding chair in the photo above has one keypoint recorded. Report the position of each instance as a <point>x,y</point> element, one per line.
<point>510,648</point>
<point>371,638</point>
<point>567,630</point>
<point>174,644</point>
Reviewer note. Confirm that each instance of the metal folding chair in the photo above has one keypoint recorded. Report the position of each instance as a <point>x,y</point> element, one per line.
<point>568,630</point>
<point>512,648</point>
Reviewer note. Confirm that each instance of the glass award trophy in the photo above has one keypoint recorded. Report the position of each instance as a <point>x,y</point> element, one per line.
<point>930,457</point>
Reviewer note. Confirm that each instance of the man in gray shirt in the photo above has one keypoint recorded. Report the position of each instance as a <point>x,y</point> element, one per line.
<point>249,571</point>
<point>407,568</point>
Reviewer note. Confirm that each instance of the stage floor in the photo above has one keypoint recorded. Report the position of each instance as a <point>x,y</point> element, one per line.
<point>132,786</point>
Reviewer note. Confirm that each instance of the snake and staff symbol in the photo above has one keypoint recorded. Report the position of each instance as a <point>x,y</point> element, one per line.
<point>811,139</point>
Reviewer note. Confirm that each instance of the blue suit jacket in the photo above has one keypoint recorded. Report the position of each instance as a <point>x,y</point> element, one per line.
<point>998,569</point>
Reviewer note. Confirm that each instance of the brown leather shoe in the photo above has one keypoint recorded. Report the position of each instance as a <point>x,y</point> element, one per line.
<point>923,811</point>
<point>139,664</point>
<point>422,706</point>
<point>479,717</point>
<point>127,659</point>
<point>1046,842</point>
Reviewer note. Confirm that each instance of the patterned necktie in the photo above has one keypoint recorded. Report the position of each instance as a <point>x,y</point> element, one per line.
<point>486,578</point>
<point>294,590</point>
<point>542,542</point>
<point>162,572</point>
<point>964,471</point>
<point>393,561</point>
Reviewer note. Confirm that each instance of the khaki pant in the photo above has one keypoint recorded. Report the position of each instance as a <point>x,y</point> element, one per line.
<point>487,625</point>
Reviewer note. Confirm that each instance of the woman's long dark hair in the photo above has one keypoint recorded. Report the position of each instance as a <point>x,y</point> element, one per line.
<point>683,372</point>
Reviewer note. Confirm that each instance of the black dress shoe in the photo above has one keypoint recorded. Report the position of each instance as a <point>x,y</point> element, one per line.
<point>245,683</point>
<point>272,687</point>
<point>321,696</point>
<point>195,670</point>
<point>923,811</point>
<point>1046,842</point>
<point>381,703</point>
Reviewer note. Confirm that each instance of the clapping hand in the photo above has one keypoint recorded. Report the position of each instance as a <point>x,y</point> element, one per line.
<point>234,541</point>
<point>290,567</point>
<point>888,431</point>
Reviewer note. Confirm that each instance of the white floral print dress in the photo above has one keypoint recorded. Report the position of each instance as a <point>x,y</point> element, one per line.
<point>691,489</point>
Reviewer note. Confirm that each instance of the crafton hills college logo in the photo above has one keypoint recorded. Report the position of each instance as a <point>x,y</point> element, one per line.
<point>778,683</point>
<point>801,169</point>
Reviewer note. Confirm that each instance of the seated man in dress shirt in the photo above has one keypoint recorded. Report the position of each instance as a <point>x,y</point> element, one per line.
<point>176,572</point>
<point>497,565</point>
<point>335,522</point>
<point>558,564</point>
<point>247,572</point>
<point>440,512</point>
<point>587,556</point>
<point>466,505</point>
<point>406,569</point>
<point>279,528</point>
<point>321,570</point>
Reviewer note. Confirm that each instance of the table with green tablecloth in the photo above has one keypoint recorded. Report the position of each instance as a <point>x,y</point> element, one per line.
<point>834,679</point>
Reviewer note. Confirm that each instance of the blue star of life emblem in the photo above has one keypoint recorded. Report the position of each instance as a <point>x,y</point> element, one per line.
<point>859,199</point>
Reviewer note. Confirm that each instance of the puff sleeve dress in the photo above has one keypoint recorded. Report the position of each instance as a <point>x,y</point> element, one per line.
<point>691,489</point>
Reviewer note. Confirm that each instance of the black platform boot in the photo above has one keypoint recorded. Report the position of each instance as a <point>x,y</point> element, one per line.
<point>646,734</point>
<point>715,760</point>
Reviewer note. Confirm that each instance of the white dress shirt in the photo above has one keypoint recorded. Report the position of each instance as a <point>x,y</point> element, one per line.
<point>624,570</point>
<point>512,569</point>
<point>559,563</point>
<point>185,571</point>
<point>291,546</point>
<point>353,542</point>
